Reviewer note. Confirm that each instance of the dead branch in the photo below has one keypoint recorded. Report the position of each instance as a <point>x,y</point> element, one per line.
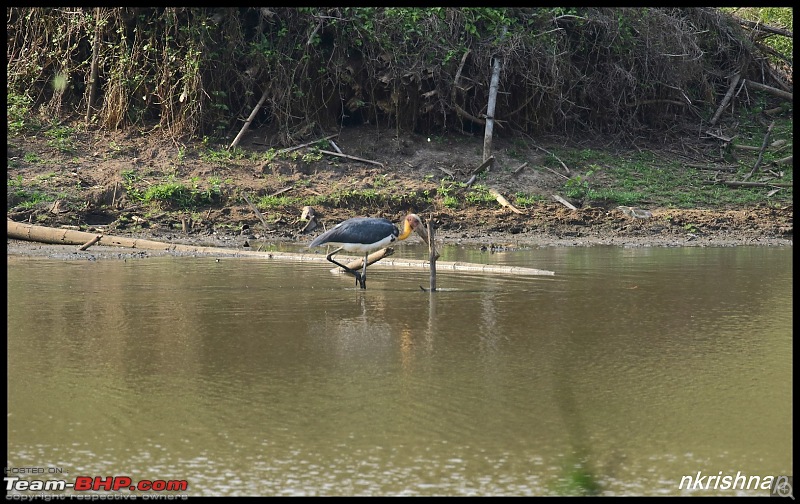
<point>446,171</point>
<point>736,183</point>
<point>477,171</point>
<point>519,168</point>
<point>290,149</point>
<point>258,214</point>
<point>354,158</point>
<point>724,103</point>
<point>335,147</point>
<point>761,152</point>
<point>556,173</point>
<point>281,191</point>
<point>250,119</point>
<point>548,152</point>
<point>771,90</point>
<point>762,27</point>
<point>456,85</point>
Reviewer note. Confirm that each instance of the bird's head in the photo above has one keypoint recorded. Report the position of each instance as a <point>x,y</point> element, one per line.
<point>412,222</point>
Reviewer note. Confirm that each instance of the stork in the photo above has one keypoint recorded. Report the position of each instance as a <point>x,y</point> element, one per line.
<point>365,235</point>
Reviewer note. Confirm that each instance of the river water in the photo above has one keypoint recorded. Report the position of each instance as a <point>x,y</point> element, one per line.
<point>627,372</point>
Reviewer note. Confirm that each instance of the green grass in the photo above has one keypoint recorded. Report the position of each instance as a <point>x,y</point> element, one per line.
<point>646,179</point>
<point>61,138</point>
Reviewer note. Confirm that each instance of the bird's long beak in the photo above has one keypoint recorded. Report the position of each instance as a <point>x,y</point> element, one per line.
<point>408,228</point>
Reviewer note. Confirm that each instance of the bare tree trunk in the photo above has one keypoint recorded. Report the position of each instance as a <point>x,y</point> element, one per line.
<point>487,136</point>
<point>93,71</point>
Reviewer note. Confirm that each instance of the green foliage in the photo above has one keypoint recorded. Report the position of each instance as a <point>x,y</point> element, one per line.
<point>577,187</point>
<point>450,202</point>
<point>61,138</point>
<point>523,199</point>
<point>778,17</point>
<point>170,193</point>
<point>18,112</point>
<point>479,194</point>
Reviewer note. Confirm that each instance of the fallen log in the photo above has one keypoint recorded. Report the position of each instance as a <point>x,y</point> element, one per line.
<point>31,232</point>
<point>357,264</point>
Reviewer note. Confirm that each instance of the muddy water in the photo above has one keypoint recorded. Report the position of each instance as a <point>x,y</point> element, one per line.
<point>624,373</point>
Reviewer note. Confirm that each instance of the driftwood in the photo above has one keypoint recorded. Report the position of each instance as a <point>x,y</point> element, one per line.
<point>252,116</point>
<point>564,202</point>
<point>30,232</point>
<point>354,158</point>
<point>500,199</point>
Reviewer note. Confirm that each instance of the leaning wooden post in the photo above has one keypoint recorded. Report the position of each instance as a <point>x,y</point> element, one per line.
<point>250,119</point>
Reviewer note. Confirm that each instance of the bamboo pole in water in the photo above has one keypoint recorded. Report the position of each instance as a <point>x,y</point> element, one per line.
<point>31,232</point>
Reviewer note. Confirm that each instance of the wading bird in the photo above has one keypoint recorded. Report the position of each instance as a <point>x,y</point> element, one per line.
<point>365,235</point>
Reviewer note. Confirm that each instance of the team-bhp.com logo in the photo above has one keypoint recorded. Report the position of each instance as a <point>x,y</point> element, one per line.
<point>95,483</point>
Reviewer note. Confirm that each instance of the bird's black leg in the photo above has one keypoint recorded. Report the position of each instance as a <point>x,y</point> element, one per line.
<point>351,271</point>
<point>364,272</point>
